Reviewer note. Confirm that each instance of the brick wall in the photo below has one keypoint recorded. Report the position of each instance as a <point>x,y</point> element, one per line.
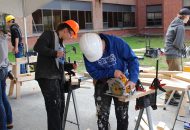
<point>124,32</point>
<point>141,16</point>
<point>170,11</point>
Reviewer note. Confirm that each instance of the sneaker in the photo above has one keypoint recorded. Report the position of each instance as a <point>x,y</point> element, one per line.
<point>172,102</point>
<point>177,95</point>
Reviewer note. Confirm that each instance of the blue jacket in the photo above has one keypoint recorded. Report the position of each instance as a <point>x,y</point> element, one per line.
<point>117,56</point>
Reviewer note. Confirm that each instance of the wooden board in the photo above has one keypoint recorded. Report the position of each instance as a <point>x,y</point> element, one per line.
<point>137,94</point>
<point>163,72</point>
<point>146,68</point>
<point>153,75</point>
<point>26,77</point>
<point>23,60</point>
<point>186,63</point>
<point>185,76</point>
<point>141,50</point>
<point>171,84</point>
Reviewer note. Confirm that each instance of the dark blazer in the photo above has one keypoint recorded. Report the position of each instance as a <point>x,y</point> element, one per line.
<point>46,65</point>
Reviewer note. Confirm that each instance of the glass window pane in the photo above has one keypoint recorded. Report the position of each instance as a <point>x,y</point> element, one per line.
<point>65,15</point>
<point>74,16</point>
<point>126,19</point>
<point>81,19</point>
<point>154,15</point>
<point>47,19</point>
<point>120,16</point>
<point>37,16</point>
<point>56,18</point>
<point>132,19</point>
<point>115,21</point>
<point>110,19</point>
<point>105,16</point>
<point>88,16</point>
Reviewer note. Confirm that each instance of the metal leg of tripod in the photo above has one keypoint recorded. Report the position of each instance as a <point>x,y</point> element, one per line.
<point>71,92</point>
<point>66,110</point>
<point>76,109</point>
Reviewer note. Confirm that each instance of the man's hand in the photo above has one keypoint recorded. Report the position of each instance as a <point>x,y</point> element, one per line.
<point>15,50</point>
<point>60,54</point>
<point>131,84</point>
<point>118,74</point>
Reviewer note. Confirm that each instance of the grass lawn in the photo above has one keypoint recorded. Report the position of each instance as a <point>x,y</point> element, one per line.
<point>134,42</point>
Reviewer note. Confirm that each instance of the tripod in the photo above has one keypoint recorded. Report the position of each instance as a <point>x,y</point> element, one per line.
<point>70,86</point>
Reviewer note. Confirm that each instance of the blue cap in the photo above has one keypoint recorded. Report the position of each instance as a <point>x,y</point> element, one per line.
<point>184,11</point>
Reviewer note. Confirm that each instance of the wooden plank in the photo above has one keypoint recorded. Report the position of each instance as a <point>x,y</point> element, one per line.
<point>137,94</point>
<point>141,50</point>
<point>163,72</point>
<point>182,111</point>
<point>171,84</point>
<point>11,89</point>
<point>18,95</point>
<point>146,68</point>
<point>185,76</point>
<point>26,77</point>
<point>186,63</point>
<point>23,60</point>
<point>153,75</point>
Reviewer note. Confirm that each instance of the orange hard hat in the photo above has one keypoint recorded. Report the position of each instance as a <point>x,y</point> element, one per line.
<point>74,26</point>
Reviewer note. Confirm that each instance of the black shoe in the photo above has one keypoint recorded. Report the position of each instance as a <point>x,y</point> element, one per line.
<point>177,95</point>
<point>172,102</point>
<point>9,126</point>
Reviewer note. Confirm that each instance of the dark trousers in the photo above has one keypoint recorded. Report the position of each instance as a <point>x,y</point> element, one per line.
<point>5,108</point>
<point>103,103</point>
<point>54,97</point>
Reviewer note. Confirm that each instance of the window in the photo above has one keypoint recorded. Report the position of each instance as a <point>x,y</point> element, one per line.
<point>88,17</point>
<point>65,15</point>
<point>37,16</point>
<point>81,19</point>
<point>186,3</point>
<point>115,15</point>
<point>56,18</point>
<point>115,21</point>
<point>37,21</point>
<point>154,15</point>
<point>74,15</point>
<point>105,19</point>
<point>110,19</point>
<point>47,20</point>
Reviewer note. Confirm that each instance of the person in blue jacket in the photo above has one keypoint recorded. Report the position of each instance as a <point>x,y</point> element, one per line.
<point>106,57</point>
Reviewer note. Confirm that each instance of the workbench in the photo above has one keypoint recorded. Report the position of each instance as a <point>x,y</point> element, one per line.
<point>171,84</point>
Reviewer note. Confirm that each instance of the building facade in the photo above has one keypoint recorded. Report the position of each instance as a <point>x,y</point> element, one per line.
<point>119,17</point>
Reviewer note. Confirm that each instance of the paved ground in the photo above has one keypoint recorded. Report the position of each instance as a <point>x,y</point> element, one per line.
<point>29,112</point>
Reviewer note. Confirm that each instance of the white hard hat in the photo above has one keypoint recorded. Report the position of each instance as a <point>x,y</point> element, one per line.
<point>91,46</point>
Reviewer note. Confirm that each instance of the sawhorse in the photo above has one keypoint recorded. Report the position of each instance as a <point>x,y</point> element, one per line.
<point>71,86</point>
<point>148,113</point>
<point>71,93</point>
